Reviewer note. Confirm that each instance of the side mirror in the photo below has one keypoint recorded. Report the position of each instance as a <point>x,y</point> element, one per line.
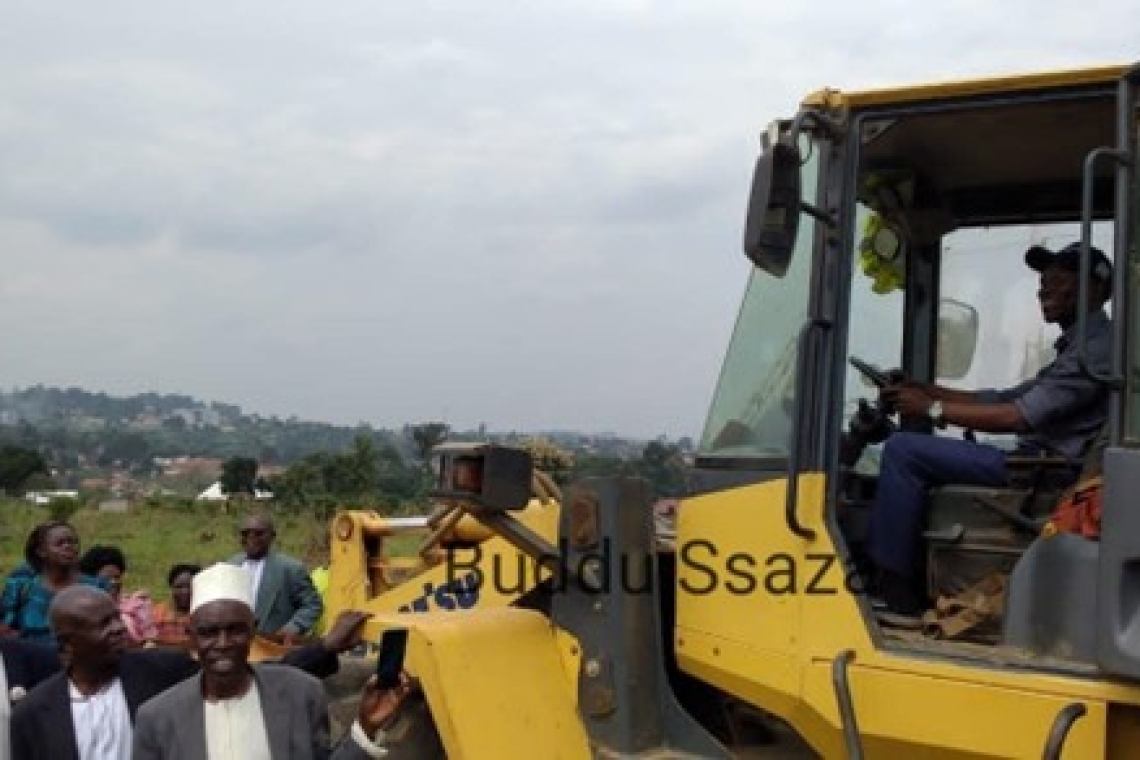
<point>957,338</point>
<point>774,206</point>
<point>488,477</point>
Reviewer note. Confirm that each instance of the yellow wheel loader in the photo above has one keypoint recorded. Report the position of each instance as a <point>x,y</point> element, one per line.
<point>886,230</point>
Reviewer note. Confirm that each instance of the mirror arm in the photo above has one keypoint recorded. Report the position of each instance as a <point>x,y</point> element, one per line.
<point>832,127</point>
<point>817,214</point>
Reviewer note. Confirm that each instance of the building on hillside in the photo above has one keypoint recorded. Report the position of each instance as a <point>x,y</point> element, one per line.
<point>189,466</point>
<point>40,498</point>
<point>215,493</point>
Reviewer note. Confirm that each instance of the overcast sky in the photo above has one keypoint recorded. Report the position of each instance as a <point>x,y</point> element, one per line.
<point>526,214</point>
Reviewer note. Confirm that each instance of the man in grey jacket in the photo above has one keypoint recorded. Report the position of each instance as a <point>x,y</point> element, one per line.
<point>286,603</point>
<point>234,710</point>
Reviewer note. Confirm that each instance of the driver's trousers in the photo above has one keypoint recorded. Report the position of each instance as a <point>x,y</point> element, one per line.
<point>912,463</point>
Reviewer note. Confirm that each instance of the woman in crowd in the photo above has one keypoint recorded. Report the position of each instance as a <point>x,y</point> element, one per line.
<point>172,618</point>
<point>106,563</point>
<point>52,553</point>
<point>109,564</point>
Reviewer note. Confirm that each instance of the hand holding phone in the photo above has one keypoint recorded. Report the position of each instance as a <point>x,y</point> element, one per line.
<point>390,663</point>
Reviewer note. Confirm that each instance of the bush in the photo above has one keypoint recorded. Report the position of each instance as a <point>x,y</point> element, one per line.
<point>63,508</point>
<point>324,507</point>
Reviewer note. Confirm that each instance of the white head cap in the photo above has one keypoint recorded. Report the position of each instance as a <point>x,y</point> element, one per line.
<point>219,582</point>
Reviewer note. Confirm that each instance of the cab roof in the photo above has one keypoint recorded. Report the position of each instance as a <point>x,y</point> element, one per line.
<point>837,99</point>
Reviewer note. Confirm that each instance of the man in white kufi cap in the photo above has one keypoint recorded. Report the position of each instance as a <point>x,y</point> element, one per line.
<point>252,712</point>
<point>221,583</point>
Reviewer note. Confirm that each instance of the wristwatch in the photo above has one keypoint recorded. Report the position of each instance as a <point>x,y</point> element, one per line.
<point>935,412</point>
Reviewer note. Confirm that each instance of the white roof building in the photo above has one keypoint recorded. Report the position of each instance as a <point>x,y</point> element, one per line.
<point>215,493</point>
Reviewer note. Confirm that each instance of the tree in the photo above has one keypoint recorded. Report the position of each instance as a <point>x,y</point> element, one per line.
<point>662,465</point>
<point>130,448</point>
<point>269,454</point>
<point>353,473</point>
<point>239,475</point>
<point>427,436</point>
<point>365,468</point>
<point>17,464</point>
<point>175,423</point>
<point>396,480</point>
<point>551,459</point>
<point>300,483</point>
<point>601,465</point>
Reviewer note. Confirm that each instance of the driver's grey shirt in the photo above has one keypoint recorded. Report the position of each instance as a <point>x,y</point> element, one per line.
<point>1064,407</point>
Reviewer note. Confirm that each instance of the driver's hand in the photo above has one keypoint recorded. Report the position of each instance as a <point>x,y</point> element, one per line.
<point>909,399</point>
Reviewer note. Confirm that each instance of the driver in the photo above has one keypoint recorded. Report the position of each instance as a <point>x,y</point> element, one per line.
<point>1058,412</point>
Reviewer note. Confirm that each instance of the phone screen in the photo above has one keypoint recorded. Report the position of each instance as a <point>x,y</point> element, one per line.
<point>390,663</point>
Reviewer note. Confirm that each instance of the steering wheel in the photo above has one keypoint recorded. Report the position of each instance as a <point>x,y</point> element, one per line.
<point>874,374</point>
<point>871,422</point>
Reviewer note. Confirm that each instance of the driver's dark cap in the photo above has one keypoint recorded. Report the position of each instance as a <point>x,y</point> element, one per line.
<point>1040,258</point>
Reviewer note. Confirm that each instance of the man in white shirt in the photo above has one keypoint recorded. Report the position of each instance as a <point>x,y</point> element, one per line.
<point>235,711</point>
<point>92,640</point>
<point>102,721</point>
<point>23,666</point>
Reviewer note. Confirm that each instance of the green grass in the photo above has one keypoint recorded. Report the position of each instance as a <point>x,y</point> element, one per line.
<point>155,537</point>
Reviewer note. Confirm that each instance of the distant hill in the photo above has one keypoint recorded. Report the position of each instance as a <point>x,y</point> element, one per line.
<point>169,443</point>
<point>40,404</point>
<point>76,427</point>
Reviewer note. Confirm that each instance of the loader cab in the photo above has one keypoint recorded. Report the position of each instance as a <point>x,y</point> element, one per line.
<point>897,242</point>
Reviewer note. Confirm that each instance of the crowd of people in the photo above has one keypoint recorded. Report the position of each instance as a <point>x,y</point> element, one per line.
<point>287,604</point>
<point>90,672</point>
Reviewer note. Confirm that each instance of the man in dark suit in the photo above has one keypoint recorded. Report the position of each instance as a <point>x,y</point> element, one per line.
<point>92,703</point>
<point>286,603</point>
<point>23,664</point>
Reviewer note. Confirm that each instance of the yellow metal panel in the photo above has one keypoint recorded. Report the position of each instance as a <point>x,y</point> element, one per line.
<point>913,715</point>
<point>743,576</point>
<point>737,669</point>
<point>965,88</point>
<point>734,581</point>
<point>496,684</point>
<point>493,574</point>
<point>775,650</point>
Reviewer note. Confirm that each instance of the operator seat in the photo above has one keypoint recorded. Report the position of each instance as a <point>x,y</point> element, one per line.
<point>975,531</point>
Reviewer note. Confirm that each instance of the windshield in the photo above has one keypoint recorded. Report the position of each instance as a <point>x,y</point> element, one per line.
<point>751,411</point>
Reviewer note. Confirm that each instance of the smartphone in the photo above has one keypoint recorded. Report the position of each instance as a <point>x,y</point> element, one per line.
<point>390,663</point>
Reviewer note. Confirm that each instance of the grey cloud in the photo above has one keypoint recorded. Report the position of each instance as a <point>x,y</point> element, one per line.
<point>525,215</point>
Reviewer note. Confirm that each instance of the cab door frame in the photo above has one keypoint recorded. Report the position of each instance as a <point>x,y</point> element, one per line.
<point>1118,584</point>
